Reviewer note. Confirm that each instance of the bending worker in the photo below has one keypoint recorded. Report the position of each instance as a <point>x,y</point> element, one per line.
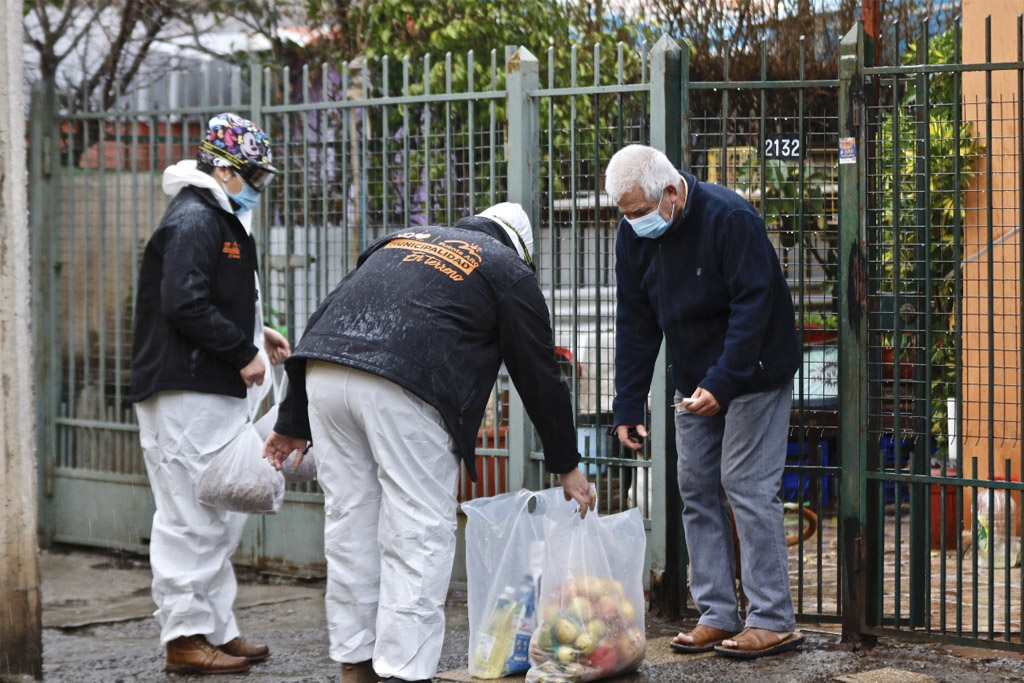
<point>199,353</point>
<point>390,382</point>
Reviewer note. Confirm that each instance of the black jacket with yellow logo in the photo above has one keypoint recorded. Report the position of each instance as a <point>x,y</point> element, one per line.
<point>195,309</point>
<point>436,310</point>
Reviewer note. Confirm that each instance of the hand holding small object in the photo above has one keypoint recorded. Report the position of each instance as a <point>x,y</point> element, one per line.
<point>278,447</point>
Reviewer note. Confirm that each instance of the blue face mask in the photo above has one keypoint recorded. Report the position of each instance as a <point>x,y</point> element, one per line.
<point>247,199</point>
<point>651,225</point>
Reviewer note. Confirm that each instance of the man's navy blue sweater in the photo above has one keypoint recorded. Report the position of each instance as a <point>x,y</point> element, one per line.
<point>713,286</point>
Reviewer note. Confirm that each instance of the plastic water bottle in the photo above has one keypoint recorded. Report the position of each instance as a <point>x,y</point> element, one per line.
<point>526,622</point>
<point>992,530</point>
<point>495,639</point>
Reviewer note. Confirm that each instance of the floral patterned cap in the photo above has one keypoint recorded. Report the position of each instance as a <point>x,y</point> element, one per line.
<point>234,142</point>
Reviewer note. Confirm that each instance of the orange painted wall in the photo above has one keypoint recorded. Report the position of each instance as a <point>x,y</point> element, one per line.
<point>997,195</point>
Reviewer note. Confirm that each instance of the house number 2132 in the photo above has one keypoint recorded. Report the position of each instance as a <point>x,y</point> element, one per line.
<point>782,148</point>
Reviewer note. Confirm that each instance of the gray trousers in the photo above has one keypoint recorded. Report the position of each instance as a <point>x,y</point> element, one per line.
<point>737,460</point>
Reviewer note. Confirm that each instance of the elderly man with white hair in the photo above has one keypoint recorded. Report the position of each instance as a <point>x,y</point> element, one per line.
<point>390,382</point>
<point>694,265</point>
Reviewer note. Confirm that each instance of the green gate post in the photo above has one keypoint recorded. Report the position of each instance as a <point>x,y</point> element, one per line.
<point>920,560</point>
<point>668,548</point>
<point>43,188</point>
<point>523,145</point>
<point>858,505</point>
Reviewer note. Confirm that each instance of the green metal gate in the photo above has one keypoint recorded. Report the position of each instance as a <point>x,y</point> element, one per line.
<point>904,274</point>
<point>931,255</point>
<point>366,149</point>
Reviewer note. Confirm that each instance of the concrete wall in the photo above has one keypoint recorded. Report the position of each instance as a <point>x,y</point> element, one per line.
<point>21,650</point>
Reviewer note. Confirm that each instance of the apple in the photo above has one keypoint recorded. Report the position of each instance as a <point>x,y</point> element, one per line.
<point>603,659</point>
<point>550,613</point>
<point>608,609</point>
<point>585,643</point>
<point>566,631</point>
<point>546,638</point>
<point>580,607</point>
<point>628,612</point>
<point>631,646</point>
<point>595,628</point>
<point>567,654</point>
<point>590,585</point>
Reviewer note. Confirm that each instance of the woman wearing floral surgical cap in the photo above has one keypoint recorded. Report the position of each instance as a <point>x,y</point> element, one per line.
<point>199,355</point>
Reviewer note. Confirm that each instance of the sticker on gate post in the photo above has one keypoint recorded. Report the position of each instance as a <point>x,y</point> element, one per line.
<point>847,150</point>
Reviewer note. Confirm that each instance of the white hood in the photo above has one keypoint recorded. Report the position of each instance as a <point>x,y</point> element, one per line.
<point>186,173</point>
<point>516,223</point>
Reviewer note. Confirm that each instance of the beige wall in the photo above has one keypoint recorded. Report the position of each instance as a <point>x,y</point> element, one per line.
<point>999,431</point>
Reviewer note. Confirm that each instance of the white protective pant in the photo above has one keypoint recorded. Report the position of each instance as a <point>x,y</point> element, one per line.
<point>389,471</point>
<point>191,544</point>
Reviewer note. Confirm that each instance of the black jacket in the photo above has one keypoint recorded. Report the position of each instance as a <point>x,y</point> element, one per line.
<point>195,309</point>
<point>713,285</point>
<point>436,310</point>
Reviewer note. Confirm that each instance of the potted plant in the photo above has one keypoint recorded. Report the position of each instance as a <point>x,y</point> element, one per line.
<point>818,329</point>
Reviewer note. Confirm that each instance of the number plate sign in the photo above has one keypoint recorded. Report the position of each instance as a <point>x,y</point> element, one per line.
<point>782,147</point>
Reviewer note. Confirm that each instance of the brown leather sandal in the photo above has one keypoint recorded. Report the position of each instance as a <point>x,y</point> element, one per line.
<point>705,638</point>
<point>752,643</point>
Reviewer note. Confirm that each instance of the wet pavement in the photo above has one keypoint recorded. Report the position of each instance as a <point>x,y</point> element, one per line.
<point>98,628</point>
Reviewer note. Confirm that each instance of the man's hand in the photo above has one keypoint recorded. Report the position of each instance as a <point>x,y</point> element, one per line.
<point>277,347</point>
<point>278,447</point>
<point>702,403</point>
<point>576,487</point>
<point>253,372</point>
<point>631,441</point>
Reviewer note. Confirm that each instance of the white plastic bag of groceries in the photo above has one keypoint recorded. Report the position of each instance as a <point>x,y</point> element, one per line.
<point>592,601</point>
<point>239,479</point>
<point>306,469</point>
<point>504,557</point>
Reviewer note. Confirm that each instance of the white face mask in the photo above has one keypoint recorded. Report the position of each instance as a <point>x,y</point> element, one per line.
<point>652,225</point>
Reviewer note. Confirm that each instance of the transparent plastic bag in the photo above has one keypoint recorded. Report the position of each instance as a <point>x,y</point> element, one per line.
<point>306,469</point>
<point>240,480</point>
<point>992,532</point>
<point>592,601</point>
<point>504,558</point>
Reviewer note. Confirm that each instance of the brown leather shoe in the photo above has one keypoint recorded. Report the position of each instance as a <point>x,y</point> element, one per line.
<point>359,673</point>
<point>239,647</point>
<point>195,655</point>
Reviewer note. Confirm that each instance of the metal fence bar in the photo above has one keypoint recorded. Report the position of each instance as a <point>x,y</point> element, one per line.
<point>667,569</point>
<point>522,75</point>
<point>958,322</point>
<point>990,300</point>
<point>1020,290</point>
<point>860,595</point>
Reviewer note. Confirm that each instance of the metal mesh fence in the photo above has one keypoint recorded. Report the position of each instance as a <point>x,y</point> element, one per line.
<point>944,198</point>
<point>580,130</point>
<point>798,198</point>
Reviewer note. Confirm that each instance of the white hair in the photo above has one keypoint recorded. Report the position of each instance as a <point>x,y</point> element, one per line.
<point>639,166</point>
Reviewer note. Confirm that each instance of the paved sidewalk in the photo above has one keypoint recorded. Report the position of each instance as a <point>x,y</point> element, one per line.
<point>98,629</point>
